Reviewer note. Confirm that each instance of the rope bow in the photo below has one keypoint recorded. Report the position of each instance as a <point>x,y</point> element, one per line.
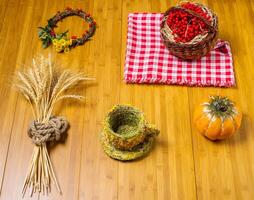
<point>47,132</point>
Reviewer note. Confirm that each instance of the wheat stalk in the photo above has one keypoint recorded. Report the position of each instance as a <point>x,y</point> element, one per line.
<point>44,84</point>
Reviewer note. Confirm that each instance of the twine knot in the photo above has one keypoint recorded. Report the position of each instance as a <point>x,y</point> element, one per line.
<point>47,132</point>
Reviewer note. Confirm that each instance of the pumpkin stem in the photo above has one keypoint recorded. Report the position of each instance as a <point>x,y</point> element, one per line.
<point>221,106</point>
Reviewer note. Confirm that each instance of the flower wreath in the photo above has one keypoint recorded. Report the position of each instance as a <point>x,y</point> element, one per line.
<point>61,41</point>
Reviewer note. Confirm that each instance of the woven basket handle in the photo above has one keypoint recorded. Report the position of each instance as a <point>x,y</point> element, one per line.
<point>211,28</point>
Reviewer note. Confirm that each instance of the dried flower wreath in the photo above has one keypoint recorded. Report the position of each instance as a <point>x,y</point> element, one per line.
<point>61,41</point>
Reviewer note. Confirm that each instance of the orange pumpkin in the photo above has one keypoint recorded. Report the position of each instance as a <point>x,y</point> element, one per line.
<point>218,118</point>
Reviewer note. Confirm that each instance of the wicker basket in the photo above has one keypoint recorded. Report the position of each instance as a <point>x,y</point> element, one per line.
<point>200,45</point>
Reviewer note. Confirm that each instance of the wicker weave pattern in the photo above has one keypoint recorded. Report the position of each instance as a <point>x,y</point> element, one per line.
<point>126,134</point>
<point>200,45</point>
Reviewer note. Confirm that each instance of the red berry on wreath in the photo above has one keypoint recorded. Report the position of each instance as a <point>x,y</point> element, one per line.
<point>52,33</point>
<point>73,37</point>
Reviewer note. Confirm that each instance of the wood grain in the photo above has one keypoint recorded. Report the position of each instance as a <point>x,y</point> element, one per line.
<point>183,164</point>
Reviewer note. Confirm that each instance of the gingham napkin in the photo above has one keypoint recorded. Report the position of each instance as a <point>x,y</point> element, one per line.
<point>149,61</point>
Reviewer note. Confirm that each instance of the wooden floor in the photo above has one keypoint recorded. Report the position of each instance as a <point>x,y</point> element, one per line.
<point>183,164</point>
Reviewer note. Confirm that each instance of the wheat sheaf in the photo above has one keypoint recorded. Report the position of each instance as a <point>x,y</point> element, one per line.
<point>43,84</point>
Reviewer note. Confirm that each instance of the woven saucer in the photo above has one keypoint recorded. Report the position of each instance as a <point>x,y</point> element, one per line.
<point>136,152</point>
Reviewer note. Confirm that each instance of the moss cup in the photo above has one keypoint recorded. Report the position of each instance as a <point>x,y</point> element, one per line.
<point>125,127</point>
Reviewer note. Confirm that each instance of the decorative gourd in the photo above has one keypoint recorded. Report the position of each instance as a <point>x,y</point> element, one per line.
<point>218,118</point>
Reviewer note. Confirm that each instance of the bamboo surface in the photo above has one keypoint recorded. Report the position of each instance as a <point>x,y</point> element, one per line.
<point>183,164</point>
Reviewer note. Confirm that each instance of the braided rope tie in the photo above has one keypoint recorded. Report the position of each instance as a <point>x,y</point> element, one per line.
<point>47,132</point>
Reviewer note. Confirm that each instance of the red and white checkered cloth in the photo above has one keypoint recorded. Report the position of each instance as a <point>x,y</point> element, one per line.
<point>149,61</point>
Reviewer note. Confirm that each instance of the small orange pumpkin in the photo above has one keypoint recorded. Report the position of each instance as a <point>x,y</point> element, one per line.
<point>218,118</point>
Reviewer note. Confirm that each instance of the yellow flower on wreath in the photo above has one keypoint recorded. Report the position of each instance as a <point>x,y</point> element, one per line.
<point>54,41</point>
<point>62,44</point>
<point>66,50</point>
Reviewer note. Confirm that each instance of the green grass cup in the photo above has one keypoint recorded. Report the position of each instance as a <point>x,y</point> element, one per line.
<point>125,127</point>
